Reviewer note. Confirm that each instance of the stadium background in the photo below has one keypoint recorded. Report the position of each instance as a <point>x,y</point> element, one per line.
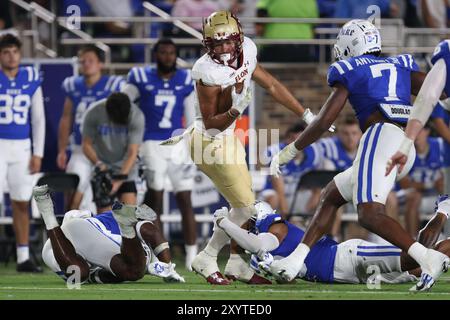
<point>52,31</point>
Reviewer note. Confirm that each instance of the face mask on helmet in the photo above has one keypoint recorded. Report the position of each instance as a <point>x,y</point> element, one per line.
<point>356,38</point>
<point>222,26</point>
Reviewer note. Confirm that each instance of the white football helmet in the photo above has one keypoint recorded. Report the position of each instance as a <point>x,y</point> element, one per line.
<point>263,209</point>
<point>357,37</point>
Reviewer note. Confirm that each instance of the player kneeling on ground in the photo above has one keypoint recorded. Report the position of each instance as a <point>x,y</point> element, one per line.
<point>353,261</point>
<point>119,245</point>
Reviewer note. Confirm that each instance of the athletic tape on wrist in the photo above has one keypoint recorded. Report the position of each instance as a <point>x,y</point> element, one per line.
<point>163,246</point>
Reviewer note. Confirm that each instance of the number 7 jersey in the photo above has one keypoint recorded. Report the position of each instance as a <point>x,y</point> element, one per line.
<point>376,84</point>
<point>16,97</point>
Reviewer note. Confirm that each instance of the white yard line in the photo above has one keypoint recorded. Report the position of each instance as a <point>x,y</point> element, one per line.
<point>227,290</point>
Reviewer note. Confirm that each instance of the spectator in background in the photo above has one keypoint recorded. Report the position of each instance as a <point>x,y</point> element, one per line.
<point>194,8</point>
<point>171,98</point>
<point>358,9</point>
<point>286,9</point>
<point>113,8</point>
<point>280,192</point>
<point>432,13</point>
<point>113,130</point>
<point>424,181</point>
<point>80,93</point>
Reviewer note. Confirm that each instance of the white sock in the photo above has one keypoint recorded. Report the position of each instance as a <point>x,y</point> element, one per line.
<point>45,208</point>
<point>127,231</point>
<point>218,240</point>
<point>418,252</point>
<point>191,250</point>
<point>23,253</point>
<point>300,252</point>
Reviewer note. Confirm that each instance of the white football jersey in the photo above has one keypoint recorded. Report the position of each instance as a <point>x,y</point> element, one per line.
<point>214,74</point>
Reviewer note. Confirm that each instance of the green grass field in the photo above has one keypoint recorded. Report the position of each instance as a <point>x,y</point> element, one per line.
<point>47,286</point>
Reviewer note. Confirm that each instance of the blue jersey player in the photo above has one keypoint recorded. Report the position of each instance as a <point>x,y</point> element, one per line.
<point>22,137</point>
<point>379,91</point>
<point>118,245</point>
<point>81,92</point>
<point>165,95</point>
<point>272,238</point>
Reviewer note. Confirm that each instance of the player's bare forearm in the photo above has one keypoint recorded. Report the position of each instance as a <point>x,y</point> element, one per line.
<point>430,234</point>
<point>277,90</point>
<point>65,126</point>
<point>208,97</point>
<point>88,150</point>
<point>133,150</point>
<point>442,129</point>
<point>324,119</point>
<point>413,128</point>
<point>220,121</point>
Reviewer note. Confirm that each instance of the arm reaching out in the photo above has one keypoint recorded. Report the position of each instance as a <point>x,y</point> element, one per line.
<point>427,98</point>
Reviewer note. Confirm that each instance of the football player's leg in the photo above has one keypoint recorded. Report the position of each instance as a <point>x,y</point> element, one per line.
<point>130,263</point>
<point>156,166</point>
<point>159,260</point>
<point>20,183</point>
<point>81,166</point>
<point>59,248</point>
<point>370,193</point>
<point>181,172</point>
<point>335,194</point>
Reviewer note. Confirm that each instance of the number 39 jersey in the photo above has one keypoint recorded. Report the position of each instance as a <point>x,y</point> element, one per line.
<point>83,97</point>
<point>16,97</point>
<point>376,83</point>
<point>161,100</point>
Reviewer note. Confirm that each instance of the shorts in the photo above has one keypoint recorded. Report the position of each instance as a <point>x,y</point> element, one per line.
<point>91,240</point>
<point>365,180</point>
<point>14,169</point>
<point>172,161</point>
<point>357,260</point>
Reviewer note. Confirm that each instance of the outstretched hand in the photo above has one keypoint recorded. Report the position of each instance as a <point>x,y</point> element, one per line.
<point>398,159</point>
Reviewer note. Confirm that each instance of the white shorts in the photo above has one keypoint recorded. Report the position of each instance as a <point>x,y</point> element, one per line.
<point>80,165</point>
<point>172,161</point>
<point>365,180</point>
<point>357,260</point>
<point>15,158</point>
<point>90,239</point>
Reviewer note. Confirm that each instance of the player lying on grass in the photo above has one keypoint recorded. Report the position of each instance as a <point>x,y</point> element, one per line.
<point>354,261</point>
<point>115,246</point>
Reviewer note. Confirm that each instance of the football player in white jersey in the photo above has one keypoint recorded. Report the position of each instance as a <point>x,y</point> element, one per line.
<point>121,244</point>
<point>22,117</point>
<point>230,63</point>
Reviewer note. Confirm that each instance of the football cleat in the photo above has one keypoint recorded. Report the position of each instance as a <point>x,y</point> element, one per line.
<point>256,280</point>
<point>124,214</point>
<point>204,264</point>
<point>28,266</point>
<point>431,273</point>
<point>218,279</point>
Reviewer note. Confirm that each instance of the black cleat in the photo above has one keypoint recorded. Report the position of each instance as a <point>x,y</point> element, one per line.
<point>28,266</point>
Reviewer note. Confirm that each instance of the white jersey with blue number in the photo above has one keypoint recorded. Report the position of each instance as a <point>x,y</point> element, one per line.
<point>16,97</point>
<point>83,97</point>
<point>376,84</point>
<point>161,100</point>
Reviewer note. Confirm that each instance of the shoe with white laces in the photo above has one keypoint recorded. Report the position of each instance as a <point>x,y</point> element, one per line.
<point>438,263</point>
<point>206,266</point>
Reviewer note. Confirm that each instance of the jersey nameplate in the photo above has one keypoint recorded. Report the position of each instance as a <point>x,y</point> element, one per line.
<point>396,112</point>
